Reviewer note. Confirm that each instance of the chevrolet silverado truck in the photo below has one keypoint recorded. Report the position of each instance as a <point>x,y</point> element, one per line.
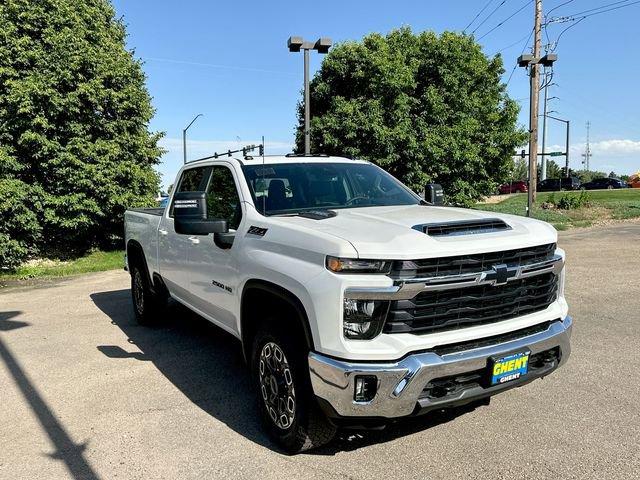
<point>356,301</point>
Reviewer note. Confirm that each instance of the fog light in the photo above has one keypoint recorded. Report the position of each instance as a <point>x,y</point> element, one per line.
<point>365,388</point>
<point>363,319</point>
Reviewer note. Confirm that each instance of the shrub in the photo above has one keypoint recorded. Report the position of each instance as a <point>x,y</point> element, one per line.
<point>569,201</point>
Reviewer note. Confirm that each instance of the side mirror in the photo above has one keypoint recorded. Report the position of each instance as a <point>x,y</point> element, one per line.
<point>434,194</point>
<point>190,215</point>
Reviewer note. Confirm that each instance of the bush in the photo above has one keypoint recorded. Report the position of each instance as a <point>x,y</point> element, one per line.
<point>569,201</point>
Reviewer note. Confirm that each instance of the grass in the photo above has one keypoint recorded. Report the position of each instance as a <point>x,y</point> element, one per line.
<point>605,205</point>
<point>96,261</point>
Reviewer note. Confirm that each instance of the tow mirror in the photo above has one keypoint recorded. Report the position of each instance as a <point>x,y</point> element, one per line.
<point>434,194</point>
<point>190,215</point>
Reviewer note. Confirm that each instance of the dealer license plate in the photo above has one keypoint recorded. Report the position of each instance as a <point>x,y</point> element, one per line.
<point>508,368</point>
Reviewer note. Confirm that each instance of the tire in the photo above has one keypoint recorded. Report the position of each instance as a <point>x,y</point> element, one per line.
<point>146,304</point>
<point>288,408</point>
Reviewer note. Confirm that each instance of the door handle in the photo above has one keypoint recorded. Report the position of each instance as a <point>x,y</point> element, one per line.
<point>194,240</point>
<point>163,232</point>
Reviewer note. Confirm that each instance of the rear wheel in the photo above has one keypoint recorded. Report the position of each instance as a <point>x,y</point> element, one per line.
<point>146,304</point>
<point>286,401</point>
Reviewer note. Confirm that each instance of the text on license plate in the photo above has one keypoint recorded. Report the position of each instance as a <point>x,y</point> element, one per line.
<point>509,368</point>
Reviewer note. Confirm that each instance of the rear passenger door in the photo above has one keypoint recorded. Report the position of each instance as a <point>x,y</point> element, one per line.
<point>172,247</point>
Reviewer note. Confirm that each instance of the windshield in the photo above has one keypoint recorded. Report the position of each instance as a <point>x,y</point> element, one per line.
<point>289,188</point>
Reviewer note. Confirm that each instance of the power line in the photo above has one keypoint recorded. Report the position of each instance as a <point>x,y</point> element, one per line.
<point>579,16</point>
<point>597,8</point>
<point>555,43</point>
<point>488,16</point>
<point>557,7</point>
<point>529,2</point>
<point>477,15</point>
<point>514,43</point>
<point>524,47</point>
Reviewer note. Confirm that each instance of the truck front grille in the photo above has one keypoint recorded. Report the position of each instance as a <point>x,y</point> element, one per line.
<point>440,310</point>
<point>461,264</point>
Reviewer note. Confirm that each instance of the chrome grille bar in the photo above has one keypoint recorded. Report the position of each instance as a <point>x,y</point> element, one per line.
<point>406,289</point>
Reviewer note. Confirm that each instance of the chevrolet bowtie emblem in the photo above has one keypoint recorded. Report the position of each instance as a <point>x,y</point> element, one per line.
<point>501,274</point>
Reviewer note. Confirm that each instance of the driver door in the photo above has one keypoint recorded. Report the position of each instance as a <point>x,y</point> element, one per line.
<point>212,264</point>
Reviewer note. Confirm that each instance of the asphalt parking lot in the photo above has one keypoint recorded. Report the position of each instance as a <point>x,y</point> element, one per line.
<point>86,393</point>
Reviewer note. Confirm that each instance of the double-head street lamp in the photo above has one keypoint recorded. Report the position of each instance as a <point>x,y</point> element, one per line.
<point>184,138</point>
<point>295,44</point>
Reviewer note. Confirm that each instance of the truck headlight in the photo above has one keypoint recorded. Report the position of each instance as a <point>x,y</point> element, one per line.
<point>363,319</point>
<point>356,265</point>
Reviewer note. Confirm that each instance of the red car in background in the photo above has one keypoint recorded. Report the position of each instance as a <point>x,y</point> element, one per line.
<point>513,187</point>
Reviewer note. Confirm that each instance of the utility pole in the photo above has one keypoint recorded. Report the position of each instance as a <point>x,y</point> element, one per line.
<point>534,87</point>
<point>587,150</point>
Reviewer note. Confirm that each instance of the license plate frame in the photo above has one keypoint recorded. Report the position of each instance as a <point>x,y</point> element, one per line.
<point>508,367</point>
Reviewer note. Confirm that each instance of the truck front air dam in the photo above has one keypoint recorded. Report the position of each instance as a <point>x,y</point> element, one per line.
<point>429,380</point>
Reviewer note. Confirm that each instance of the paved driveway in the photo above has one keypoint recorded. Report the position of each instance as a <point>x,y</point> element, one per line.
<point>86,393</point>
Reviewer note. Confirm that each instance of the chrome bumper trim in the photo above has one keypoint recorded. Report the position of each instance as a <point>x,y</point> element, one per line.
<point>498,275</point>
<point>401,383</point>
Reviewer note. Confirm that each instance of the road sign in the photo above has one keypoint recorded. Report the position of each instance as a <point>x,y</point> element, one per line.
<point>555,154</point>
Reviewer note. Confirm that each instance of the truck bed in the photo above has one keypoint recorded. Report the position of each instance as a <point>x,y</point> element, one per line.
<point>150,211</point>
<point>141,225</point>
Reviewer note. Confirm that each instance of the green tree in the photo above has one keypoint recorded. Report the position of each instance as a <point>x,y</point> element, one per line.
<point>75,147</point>
<point>427,108</point>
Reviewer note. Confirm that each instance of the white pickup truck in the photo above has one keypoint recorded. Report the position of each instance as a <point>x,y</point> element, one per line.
<point>357,302</point>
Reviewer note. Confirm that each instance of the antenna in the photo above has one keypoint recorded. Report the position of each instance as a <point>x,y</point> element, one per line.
<point>264,208</point>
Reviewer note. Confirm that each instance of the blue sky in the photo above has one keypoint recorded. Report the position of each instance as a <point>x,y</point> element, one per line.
<point>228,61</point>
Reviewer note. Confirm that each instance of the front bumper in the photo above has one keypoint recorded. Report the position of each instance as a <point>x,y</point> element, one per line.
<point>401,383</point>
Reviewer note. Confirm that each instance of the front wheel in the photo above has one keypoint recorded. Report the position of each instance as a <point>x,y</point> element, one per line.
<point>287,405</point>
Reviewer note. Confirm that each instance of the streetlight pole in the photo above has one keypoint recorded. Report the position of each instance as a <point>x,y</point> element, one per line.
<point>295,44</point>
<point>307,108</point>
<point>184,138</point>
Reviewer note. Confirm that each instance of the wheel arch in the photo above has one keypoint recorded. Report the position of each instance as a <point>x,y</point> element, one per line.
<point>135,255</point>
<point>258,294</point>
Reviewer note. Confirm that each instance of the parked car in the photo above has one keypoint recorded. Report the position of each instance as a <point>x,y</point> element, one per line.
<point>605,183</point>
<point>513,187</point>
<point>557,184</point>
<point>356,301</point>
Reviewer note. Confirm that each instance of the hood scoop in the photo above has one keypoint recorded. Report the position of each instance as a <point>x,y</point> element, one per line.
<point>462,227</point>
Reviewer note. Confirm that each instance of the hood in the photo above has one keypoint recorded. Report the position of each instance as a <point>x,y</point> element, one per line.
<point>389,233</point>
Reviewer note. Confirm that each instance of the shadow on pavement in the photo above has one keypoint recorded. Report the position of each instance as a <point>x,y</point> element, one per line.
<point>205,363</point>
<point>70,453</point>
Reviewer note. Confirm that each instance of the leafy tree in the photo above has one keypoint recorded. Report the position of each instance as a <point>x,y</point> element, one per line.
<point>520,169</point>
<point>427,108</point>
<point>588,175</point>
<point>553,169</point>
<point>75,150</point>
